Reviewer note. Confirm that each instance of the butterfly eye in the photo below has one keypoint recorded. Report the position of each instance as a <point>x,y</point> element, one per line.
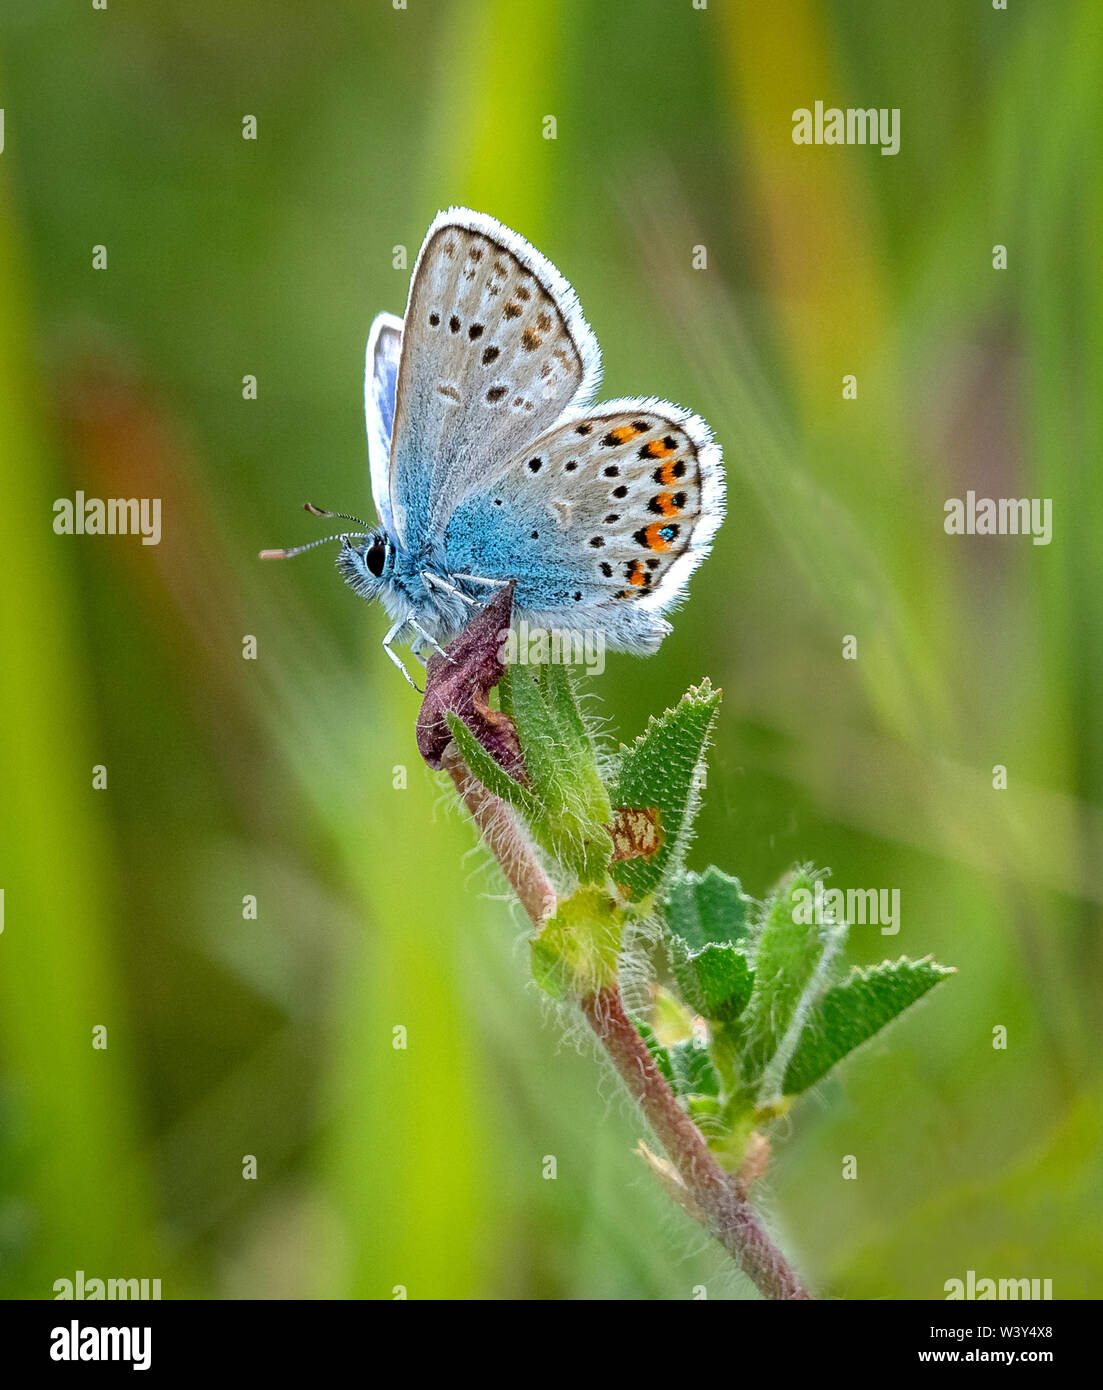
<point>375,555</point>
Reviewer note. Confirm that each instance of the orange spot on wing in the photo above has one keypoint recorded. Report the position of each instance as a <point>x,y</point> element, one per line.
<point>653,540</point>
<point>666,504</point>
<point>667,474</point>
<point>657,449</point>
<point>623,433</point>
<point>637,577</point>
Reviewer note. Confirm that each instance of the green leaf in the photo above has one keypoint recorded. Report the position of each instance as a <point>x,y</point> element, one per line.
<point>482,766</point>
<point>549,969</point>
<point>715,981</point>
<point>558,688</point>
<point>672,1021</point>
<point>685,1065</point>
<point>541,744</point>
<point>707,1108</point>
<point>663,768</point>
<point>692,1072</point>
<point>654,1046</point>
<point>853,1011</point>
<point>707,907</point>
<point>575,951</point>
<point>789,966</point>
<point>569,807</point>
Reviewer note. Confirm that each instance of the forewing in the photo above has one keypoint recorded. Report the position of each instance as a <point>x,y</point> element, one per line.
<point>380,380</point>
<point>613,506</point>
<point>494,350</point>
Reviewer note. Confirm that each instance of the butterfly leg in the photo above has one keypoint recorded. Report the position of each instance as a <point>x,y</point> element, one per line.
<point>439,583</point>
<point>395,629</point>
<point>478,579</point>
<point>428,637</point>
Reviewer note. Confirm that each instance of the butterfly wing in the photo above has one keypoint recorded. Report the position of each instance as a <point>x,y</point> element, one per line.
<point>494,350</point>
<point>601,521</point>
<point>380,381</point>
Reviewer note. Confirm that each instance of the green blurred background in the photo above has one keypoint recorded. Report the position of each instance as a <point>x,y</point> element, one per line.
<point>275,777</point>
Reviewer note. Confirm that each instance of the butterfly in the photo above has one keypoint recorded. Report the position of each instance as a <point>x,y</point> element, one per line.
<point>489,462</point>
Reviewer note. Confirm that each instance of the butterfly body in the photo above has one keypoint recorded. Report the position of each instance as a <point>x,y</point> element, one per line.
<point>489,463</point>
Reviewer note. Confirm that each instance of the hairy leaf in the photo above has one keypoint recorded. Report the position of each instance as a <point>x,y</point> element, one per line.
<point>707,907</point>
<point>663,768</point>
<point>523,700</point>
<point>788,955</point>
<point>715,981</point>
<point>851,1013</point>
<point>692,1070</point>
<point>569,807</point>
<point>483,767</point>
<point>575,951</point>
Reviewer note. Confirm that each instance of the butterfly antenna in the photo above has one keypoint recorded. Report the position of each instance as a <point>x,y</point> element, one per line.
<point>318,511</point>
<point>298,549</point>
<point>343,516</point>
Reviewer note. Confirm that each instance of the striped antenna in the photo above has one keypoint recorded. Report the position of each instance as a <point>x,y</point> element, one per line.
<point>318,511</point>
<point>343,516</point>
<point>298,549</point>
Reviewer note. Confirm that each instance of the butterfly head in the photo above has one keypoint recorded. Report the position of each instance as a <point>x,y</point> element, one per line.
<point>367,562</point>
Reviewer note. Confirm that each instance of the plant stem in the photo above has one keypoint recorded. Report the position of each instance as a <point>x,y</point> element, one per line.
<point>713,1196</point>
<point>498,827</point>
<point>709,1194</point>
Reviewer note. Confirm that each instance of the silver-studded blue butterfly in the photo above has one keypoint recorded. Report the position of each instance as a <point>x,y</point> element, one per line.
<point>489,462</point>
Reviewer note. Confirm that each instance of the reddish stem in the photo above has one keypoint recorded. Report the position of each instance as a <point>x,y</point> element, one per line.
<point>504,839</point>
<point>715,1197</point>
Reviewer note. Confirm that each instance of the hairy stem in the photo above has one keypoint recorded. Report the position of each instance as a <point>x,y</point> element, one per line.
<point>498,827</point>
<point>709,1194</point>
<point>712,1196</point>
